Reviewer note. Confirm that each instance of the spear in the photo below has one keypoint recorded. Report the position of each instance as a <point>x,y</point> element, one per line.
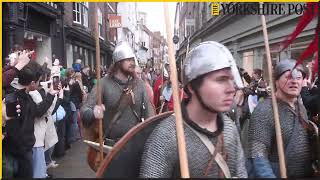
<point>98,93</point>
<point>283,171</point>
<point>177,109</point>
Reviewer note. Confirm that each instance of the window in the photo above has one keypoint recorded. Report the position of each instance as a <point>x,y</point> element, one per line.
<point>75,48</point>
<point>100,23</point>
<point>85,13</point>
<point>54,5</point>
<point>80,50</point>
<point>209,8</point>
<point>76,13</point>
<point>80,13</point>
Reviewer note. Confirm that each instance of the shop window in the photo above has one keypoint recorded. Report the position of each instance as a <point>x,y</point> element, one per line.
<point>80,13</point>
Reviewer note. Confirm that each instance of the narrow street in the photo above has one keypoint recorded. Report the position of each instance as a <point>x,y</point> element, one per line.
<point>73,164</point>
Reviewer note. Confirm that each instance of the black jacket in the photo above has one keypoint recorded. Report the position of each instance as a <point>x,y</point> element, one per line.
<point>76,94</point>
<point>87,81</point>
<point>311,100</point>
<point>20,130</point>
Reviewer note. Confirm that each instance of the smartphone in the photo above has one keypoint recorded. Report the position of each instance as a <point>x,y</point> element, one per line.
<point>55,82</point>
<point>11,105</point>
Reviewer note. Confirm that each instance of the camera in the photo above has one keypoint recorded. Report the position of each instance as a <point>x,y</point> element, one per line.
<point>11,105</point>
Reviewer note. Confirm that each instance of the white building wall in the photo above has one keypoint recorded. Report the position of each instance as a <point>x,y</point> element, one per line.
<point>128,13</point>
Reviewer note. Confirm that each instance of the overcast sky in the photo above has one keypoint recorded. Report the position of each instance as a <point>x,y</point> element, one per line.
<point>155,15</point>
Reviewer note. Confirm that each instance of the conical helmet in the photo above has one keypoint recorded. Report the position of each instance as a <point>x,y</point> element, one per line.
<point>207,57</point>
<point>123,51</point>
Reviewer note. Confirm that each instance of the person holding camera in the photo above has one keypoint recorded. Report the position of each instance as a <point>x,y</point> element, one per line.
<point>17,60</point>
<point>20,113</point>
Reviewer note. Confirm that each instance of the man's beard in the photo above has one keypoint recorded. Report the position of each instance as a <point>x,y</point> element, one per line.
<point>127,72</point>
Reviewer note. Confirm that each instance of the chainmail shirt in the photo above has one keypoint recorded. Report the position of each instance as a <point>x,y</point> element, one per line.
<point>111,89</point>
<point>160,157</point>
<point>262,138</point>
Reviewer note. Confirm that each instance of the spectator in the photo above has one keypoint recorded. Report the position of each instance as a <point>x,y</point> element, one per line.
<point>40,126</point>
<point>55,70</point>
<point>86,79</point>
<point>17,61</point>
<point>77,65</point>
<point>20,129</point>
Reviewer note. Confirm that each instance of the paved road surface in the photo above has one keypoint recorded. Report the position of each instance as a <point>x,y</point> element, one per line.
<point>73,164</point>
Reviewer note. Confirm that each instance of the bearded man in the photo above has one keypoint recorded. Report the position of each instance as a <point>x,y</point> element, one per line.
<point>125,102</point>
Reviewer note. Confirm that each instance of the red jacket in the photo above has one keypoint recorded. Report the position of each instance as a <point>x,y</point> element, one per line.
<point>8,74</point>
<point>157,92</point>
<point>182,95</point>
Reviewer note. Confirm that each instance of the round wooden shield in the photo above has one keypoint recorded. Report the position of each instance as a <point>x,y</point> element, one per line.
<point>123,161</point>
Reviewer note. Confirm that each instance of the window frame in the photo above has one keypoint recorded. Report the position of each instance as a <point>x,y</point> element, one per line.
<point>76,11</point>
<point>85,13</point>
<point>80,9</point>
<point>100,23</point>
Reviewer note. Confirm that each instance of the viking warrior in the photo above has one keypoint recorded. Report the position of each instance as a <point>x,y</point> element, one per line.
<point>212,140</point>
<point>263,160</point>
<point>125,102</point>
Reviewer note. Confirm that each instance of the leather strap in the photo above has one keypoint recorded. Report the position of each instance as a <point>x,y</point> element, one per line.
<point>123,103</point>
<point>218,157</point>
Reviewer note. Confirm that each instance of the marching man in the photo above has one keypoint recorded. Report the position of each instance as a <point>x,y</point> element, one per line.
<point>212,139</point>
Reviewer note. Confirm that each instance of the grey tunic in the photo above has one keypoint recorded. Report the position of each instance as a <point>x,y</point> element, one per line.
<point>262,138</point>
<point>160,157</point>
<point>111,91</point>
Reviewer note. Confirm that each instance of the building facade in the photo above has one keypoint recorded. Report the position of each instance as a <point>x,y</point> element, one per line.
<point>22,26</point>
<point>63,31</point>
<point>129,29</point>
<point>242,34</point>
<point>80,33</point>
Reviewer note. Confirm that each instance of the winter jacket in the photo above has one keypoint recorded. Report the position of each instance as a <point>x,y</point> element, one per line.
<point>40,124</point>
<point>20,130</point>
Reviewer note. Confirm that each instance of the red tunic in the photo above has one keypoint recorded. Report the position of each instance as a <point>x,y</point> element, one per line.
<point>182,95</point>
<point>157,92</point>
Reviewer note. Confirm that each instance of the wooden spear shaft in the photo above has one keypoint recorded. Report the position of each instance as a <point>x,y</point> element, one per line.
<point>98,73</point>
<point>283,171</point>
<point>176,100</point>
